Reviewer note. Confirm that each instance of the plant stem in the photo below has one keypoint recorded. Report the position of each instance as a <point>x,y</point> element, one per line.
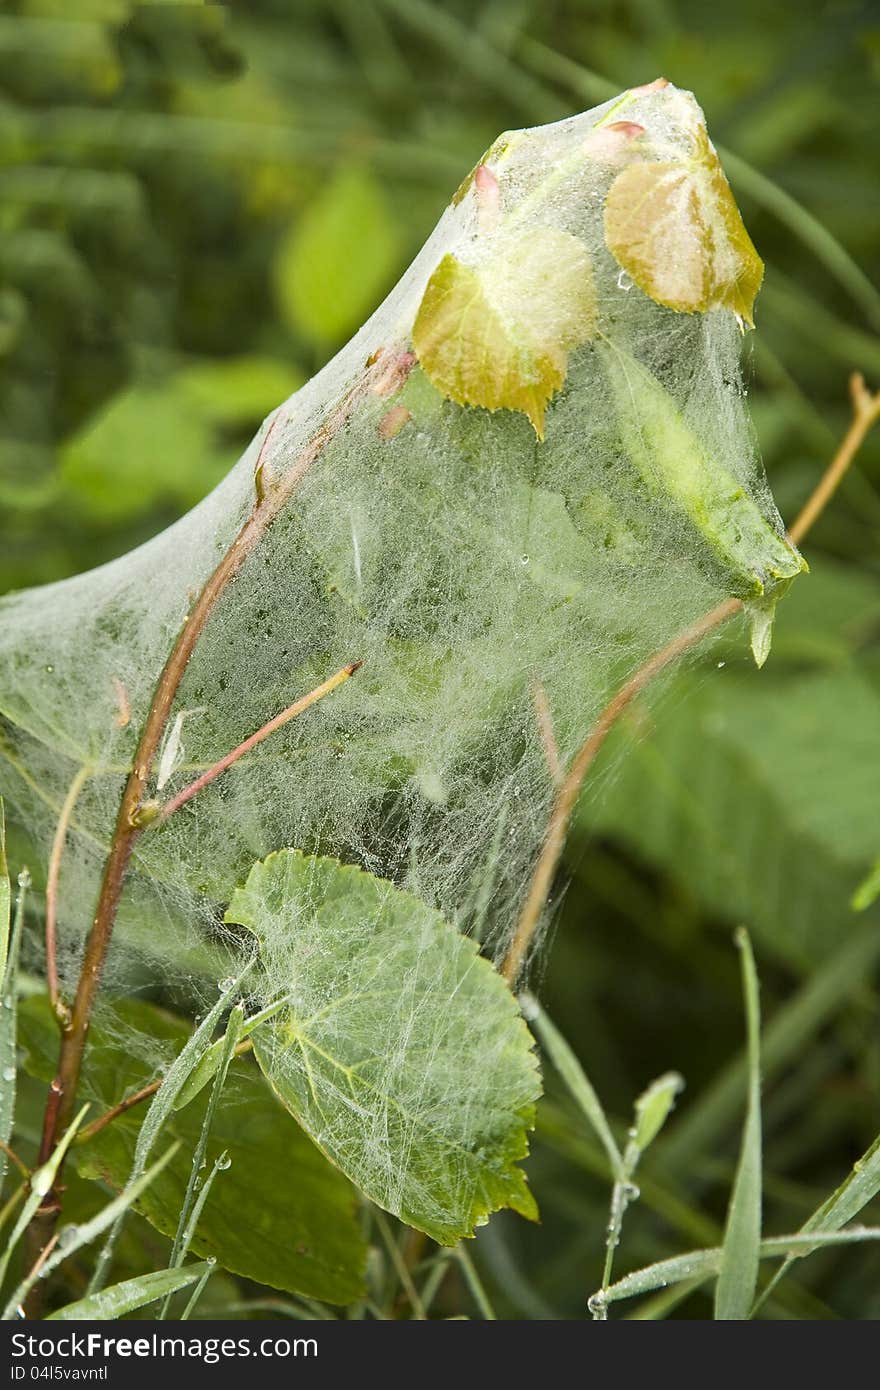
<point>866,412</point>
<point>278,722</point>
<point>58,1007</point>
<point>271,498</point>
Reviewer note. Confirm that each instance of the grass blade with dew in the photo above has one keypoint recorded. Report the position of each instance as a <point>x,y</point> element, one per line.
<point>73,1238</point>
<point>42,1180</point>
<point>738,1272</point>
<point>700,1265</point>
<point>230,1039</point>
<point>784,1040</point>
<point>475,1284</point>
<point>5,895</point>
<point>574,1076</point>
<point>207,1065</point>
<point>163,1104</point>
<point>857,1189</point>
<point>121,1299</point>
<point>652,1109</point>
<point>196,1294</point>
<point>10,945</point>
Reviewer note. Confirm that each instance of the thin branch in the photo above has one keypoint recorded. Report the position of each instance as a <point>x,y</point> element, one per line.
<point>59,1008</point>
<point>384,367</point>
<point>546,731</point>
<point>866,411</point>
<point>278,722</point>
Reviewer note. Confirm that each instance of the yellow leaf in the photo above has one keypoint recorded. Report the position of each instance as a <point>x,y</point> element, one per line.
<point>674,227</point>
<point>498,333</point>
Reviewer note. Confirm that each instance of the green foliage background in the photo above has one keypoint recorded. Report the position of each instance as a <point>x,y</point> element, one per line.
<point>199,203</point>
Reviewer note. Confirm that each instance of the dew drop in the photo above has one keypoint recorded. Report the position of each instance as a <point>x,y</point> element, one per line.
<point>598,1307</point>
<point>223,1162</point>
<point>623,281</point>
<point>9,1073</point>
<point>524,559</point>
<point>224,985</point>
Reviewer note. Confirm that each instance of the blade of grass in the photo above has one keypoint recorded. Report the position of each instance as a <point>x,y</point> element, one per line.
<point>5,895</point>
<point>652,1109</point>
<point>233,1029</point>
<point>9,998</point>
<point>700,1265</point>
<point>41,1183</point>
<point>738,1274</point>
<point>207,1065</point>
<point>79,1236</point>
<point>475,1284</point>
<point>197,1293</point>
<point>123,1298</point>
<point>797,1022</point>
<point>575,1078</point>
<point>162,1106</point>
<point>857,1189</point>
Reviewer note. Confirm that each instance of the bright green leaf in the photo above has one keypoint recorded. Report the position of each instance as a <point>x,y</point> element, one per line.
<point>402,1053</point>
<point>671,459</point>
<point>337,260</point>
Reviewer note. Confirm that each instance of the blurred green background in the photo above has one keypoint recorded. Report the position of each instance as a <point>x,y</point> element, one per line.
<point>199,204</point>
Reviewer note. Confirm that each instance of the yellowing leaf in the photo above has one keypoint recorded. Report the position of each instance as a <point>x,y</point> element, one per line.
<point>498,334</point>
<point>674,227</point>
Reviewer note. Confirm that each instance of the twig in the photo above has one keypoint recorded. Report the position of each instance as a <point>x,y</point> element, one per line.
<point>278,722</point>
<point>546,732</point>
<point>268,505</point>
<point>58,1007</point>
<point>866,411</point>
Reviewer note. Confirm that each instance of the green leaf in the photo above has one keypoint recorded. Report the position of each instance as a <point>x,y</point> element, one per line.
<point>674,227</point>
<point>402,1053</point>
<point>280,1214</point>
<point>731,754</point>
<point>671,459</point>
<point>653,1108</point>
<point>498,333</point>
<point>121,1299</point>
<point>131,454</point>
<point>336,261</point>
<point>740,1253</point>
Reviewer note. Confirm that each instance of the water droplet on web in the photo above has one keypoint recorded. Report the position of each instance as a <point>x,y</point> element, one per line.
<point>524,559</point>
<point>623,281</point>
<point>9,1073</point>
<point>211,1260</point>
<point>631,1192</point>
<point>224,985</point>
<point>721,665</point>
